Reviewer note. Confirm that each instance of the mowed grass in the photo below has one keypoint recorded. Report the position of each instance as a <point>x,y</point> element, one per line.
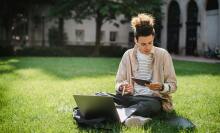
<point>36,94</point>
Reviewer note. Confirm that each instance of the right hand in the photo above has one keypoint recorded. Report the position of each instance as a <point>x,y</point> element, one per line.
<point>128,88</point>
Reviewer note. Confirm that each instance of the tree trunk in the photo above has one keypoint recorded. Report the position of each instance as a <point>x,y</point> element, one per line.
<point>43,30</point>
<point>31,27</point>
<point>8,33</point>
<point>61,31</point>
<point>99,23</point>
<point>6,22</point>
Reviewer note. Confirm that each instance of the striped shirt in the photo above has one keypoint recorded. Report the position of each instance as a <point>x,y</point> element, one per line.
<point>144,72</point>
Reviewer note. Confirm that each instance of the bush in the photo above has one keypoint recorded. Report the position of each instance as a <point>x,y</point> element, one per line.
<point>106,51</point>
<point>6,50</point>
<point>112,51</point>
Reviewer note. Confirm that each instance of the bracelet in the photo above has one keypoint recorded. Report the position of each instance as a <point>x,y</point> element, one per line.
<point>162,87</point>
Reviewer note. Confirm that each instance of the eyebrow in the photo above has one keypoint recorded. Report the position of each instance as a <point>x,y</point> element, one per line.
<point>148,42</point>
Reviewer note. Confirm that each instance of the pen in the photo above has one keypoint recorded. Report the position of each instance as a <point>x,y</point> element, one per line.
<point>123,91</point>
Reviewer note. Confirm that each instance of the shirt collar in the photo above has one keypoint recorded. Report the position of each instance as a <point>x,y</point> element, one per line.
<point>134,53</point>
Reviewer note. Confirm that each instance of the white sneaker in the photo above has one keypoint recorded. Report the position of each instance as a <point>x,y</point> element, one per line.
<point>136,121</point>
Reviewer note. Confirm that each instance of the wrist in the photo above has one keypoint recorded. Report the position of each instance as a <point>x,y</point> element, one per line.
<point>162,87</point>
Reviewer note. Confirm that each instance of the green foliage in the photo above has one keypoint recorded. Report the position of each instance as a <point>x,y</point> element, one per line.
<point>84,9</point>
<point>11,9</point>
<point>133,7</point>
<point>107,9</point>
<point>36,94</point>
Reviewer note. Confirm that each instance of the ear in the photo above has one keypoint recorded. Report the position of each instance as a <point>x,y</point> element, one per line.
<point>135,40</point>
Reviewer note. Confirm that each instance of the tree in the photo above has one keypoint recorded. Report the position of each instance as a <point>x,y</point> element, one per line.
<point>103,11</point>
<point>100,10</point>
<point>59,9</point>
<point>14,13</point>
<point>8,14</point>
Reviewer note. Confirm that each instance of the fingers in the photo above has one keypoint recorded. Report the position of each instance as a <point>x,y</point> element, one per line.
<point>154,86</point>
<point>128,88</point>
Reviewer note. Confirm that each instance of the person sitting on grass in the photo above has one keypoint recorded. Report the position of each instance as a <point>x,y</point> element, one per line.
<point>148,62</point>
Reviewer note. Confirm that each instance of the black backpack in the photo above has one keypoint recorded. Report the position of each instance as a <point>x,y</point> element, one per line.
<point>96,123</point>
<point>90,123</point>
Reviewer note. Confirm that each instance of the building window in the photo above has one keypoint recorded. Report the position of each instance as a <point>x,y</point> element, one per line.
<point>80,35</point>
<point>113,36</point>
<point>212,5</point>
<point>102,36</point>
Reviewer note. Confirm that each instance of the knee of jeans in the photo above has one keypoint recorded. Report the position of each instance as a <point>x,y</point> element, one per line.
<point>156,108</point>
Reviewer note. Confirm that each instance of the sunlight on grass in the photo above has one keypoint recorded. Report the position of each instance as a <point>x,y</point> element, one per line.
<point>36,93</point>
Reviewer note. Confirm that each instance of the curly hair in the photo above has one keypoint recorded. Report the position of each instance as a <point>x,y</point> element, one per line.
<point>143,25</point>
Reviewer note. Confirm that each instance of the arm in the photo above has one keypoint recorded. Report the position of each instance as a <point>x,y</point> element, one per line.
<point>121,74</point>
<point>122,81</point>
<point>170,83</point>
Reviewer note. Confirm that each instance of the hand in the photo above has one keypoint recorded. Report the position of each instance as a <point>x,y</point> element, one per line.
<point>126,88</point>
<point>155,86</point>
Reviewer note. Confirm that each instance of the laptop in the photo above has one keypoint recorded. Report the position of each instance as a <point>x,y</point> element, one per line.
<point>95,106</point>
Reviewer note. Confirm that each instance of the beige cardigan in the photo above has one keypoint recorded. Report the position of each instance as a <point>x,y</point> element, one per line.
<point>163,72</point>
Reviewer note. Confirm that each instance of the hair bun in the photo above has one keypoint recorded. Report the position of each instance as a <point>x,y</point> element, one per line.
<point>142,19</point>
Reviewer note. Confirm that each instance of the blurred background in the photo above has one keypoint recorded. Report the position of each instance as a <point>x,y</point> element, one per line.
<point>102,27</point>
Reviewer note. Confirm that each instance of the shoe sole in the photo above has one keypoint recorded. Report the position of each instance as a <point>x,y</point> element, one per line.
<point>135,122</point>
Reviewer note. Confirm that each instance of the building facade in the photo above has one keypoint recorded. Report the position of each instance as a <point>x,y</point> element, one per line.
<point>190,27</point>
<point>84,34</point>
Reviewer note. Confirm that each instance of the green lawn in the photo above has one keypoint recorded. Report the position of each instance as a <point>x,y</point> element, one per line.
<point>36,93</point>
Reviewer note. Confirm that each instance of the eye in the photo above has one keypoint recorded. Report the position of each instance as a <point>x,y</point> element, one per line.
<point>142,44</point>
<point>150,43</point>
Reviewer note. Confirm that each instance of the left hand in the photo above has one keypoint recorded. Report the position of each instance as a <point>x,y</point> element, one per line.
<point>156,86</point>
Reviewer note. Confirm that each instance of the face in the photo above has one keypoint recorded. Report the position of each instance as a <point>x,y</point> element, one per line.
<point>145,43</point>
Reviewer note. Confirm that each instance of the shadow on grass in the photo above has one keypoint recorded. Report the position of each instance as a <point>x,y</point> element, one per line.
<point>163,121</point>
<point>69,68</point>
<point>7,65</point>
<point>109,128</point>
<point>64,68</point>
<point>158,125</point>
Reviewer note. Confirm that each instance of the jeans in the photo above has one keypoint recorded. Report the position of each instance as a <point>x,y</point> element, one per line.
<point>147,106</point>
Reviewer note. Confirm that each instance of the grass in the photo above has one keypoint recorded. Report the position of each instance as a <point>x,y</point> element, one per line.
<point>36,93</point>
